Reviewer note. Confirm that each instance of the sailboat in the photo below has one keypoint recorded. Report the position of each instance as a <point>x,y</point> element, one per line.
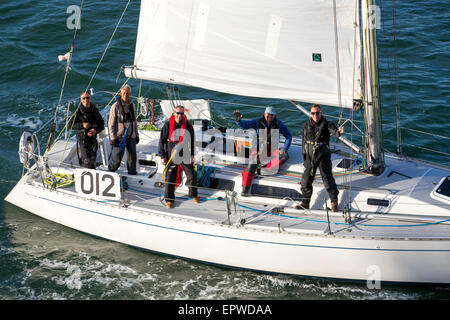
<point>393,223</point>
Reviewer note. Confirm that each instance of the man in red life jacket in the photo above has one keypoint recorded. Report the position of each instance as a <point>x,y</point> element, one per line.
<point>177,135</point>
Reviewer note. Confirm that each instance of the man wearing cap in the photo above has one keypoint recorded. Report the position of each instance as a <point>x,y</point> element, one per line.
<point>268,122</point>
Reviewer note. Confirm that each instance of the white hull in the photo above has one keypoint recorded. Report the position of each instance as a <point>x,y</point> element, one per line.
<point>304,252</point>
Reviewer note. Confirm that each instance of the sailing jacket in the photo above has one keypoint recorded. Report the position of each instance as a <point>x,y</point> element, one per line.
<point>122,115</point>
<point>165,145</point>
<point>316,138</point>
<point>260,123</point>
<point>93,117</point>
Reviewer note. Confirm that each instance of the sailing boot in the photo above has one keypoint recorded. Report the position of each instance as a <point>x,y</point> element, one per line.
<point>334,206</point>
<point>169,204</point>
<point>303,205</point>
<point>247,178</point>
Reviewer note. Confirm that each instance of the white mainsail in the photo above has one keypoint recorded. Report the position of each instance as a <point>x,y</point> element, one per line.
<point>306,50</point>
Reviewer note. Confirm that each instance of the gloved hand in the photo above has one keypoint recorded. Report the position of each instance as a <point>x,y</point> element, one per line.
<point>112,142</point>
<point>283,156</point>
<point>137,140</point>
<point>237,115</point>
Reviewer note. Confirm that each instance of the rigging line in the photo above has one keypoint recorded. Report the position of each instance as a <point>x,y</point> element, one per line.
<point>53,126</point>
<point>338,68</point>
<point>169,96</point>
<point>239,104</point>
<point>73,121</point>
<point>397,98</point>
<point>356,36</point>
<point>68,65</point>
<point>263,212</point>
<point>107,46</point>
<point>44,125</point>
<point>431,134</point>
<point>294,110</point>
<point>139,98</point>
<point>72,118</point>
<point>131,96</point>
<point>116,93</point>
<point>393,74</point>
<point>441,152</point>
<point>367,76</point>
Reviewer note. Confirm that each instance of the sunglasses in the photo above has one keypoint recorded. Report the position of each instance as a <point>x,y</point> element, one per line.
<point>179,113</point>
<point>314,113</point>
<point>85,98</point>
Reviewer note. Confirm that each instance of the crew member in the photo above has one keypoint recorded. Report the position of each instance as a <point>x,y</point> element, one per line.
<point>88,123</point>
<point>317,154</point>
<point>177,136</point>
<point>268,122</point>
<point>123,131</point>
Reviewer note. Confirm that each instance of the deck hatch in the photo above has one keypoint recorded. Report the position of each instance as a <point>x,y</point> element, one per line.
<point>221,184</point>
<point>345,163</point>
<point>275,192</point>
<point>144,162</point>
<point>443,189</point>
<point>348,164</point>
<point>378,202</point>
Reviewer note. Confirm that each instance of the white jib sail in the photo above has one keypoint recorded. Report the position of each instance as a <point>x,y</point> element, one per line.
<point>193,109</point>
<point>287,49</point>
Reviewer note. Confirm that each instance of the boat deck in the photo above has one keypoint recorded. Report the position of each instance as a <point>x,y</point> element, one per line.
<point>213,208</point>
<point>141,195</point>
<point>386,206</point>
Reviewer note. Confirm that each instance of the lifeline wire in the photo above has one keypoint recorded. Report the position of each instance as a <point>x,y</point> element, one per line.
<point>107,46</point>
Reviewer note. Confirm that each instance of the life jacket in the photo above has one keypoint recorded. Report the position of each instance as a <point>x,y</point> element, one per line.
<point>172,129</point>
<point>263,125</point>
<point>316,136</point>
<point>173,143</point>
<point>88,115</point>
<point>126,117</point>
<point>247,177</point>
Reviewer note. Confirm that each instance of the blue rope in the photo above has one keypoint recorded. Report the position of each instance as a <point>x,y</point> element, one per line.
<point>123,141</point>
<point>204,175</point>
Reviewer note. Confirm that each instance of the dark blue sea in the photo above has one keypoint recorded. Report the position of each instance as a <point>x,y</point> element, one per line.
<point>41,260</point>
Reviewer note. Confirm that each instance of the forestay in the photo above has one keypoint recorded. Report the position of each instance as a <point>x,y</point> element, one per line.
<point>287,49</point>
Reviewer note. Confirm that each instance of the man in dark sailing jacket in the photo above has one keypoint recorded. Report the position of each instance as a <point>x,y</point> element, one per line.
<point>177,137</point>
<point>88,123</point>
<point>317,154</point>
<point>268,122</point>
<point>123,131</point>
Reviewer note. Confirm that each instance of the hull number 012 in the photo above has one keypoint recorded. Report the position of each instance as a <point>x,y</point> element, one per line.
<point>97,184</point>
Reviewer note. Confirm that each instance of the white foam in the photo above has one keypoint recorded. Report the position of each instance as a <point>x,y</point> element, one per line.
<point>31,122</point>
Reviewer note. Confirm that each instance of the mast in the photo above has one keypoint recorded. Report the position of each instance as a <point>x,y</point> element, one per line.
<point>372,108</point>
